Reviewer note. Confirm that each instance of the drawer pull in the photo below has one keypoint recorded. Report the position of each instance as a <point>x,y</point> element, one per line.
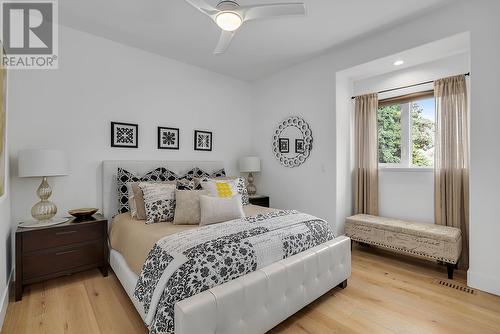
<point>67,252</point>
<point>65,232</point>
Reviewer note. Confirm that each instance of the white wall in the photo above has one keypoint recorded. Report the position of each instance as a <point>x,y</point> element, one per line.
<point>308,89</point>
<point>101,81</point>
<point>403,193</point>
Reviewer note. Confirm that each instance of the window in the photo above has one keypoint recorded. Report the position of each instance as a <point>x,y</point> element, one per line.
<point>406,127</point>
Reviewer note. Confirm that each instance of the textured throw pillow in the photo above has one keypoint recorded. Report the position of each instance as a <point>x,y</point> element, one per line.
<point>239,183</point>
<point>187,206</point>
<point>131,199</point>
<point>123,177</point>
<point>140,210</point>
<point>220,209</point>
<point>138,200</point>
<point>159,201</point>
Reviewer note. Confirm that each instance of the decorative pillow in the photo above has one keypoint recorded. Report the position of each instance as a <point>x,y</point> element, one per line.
<point>220,209</point>
<point>218,173</point>
<point>239,182</point>
<point>137,209</point>
<point>220,188</point>
<point>131,199</point>
<point>123,177</point>
<point>195,172</point>
<point>185,184</point>
<point>159,201</point>
<point>140,210</point>
<point>168,175</point>
<point>187,206</point>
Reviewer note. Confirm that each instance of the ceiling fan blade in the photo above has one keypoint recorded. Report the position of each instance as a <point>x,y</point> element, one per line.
<point>271,10</point>
<point>224,41</point>
<point>203,6</point>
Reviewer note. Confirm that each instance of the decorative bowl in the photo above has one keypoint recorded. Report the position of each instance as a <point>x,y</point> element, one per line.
<point>82,212</point>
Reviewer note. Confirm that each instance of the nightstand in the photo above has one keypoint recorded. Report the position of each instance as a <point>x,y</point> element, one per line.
<point>64,249</point>
<point>259,200</point>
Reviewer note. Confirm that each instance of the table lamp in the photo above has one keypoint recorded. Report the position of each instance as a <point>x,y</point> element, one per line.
<point>42,163</point>
<point>250,165</point>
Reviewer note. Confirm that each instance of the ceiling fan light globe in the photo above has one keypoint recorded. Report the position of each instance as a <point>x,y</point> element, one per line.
<point>228,21</point>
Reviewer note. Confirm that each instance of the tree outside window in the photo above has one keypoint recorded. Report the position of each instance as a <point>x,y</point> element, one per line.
<point>406,133</point>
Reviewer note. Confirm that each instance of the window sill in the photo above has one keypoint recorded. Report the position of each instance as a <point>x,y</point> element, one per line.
<point>406,169</point>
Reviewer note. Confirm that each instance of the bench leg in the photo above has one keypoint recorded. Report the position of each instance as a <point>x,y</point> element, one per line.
<point>343,285</point>
<point>450,267</point>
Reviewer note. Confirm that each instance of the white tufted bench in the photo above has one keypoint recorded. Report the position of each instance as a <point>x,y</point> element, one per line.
<point>429,241</point>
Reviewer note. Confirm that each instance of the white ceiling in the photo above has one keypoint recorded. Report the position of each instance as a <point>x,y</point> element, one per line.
<point>174,29</point>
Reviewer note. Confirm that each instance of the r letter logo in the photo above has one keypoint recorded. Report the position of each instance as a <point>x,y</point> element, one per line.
<point>29,34</point>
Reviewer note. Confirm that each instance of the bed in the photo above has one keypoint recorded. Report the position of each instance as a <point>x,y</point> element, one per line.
<point>253,303</point>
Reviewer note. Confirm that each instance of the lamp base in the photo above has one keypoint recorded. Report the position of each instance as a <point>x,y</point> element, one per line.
<point>45,209</point>
<point>251,188</point>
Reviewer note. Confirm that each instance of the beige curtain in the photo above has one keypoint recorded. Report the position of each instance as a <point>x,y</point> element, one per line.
<point>451,171</point>
<point>366,155</point>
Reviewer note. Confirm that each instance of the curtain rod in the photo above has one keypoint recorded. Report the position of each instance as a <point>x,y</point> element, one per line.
<point>409,86</point>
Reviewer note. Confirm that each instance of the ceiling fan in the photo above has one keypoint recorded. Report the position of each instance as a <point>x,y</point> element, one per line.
<point>229,16</point>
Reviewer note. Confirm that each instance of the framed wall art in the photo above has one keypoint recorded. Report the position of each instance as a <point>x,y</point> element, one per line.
<point>284,145</point>
<point>202,140</point>
<point>124,135</point>
<point>168,138</point>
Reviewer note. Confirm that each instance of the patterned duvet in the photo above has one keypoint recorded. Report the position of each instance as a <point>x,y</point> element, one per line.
<point>187,263</point>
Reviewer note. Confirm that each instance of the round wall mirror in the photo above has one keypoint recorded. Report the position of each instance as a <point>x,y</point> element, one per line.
<point>292,142</point>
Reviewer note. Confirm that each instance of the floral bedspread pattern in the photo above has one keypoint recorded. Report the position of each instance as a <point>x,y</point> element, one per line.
<point>192,261</point>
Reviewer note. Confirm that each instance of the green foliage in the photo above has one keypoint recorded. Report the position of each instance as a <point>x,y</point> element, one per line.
<point>389,134</point>
<point>422,133</point>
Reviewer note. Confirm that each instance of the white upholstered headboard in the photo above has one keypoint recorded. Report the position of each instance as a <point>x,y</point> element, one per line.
<point>140,167</point>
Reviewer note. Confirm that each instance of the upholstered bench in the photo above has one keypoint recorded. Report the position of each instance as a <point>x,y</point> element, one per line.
<point>428,241</point>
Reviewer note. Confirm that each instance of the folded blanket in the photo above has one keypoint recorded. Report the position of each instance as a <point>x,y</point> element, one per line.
<point>189,262</point>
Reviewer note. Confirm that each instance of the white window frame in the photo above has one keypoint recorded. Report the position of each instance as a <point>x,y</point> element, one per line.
<point>406,144</point>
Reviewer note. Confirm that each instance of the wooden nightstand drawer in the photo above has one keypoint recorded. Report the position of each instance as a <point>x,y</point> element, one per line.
<point>48,252</point>
<point>57,260</point>
<point>259,200</point>
<point>56,237</point>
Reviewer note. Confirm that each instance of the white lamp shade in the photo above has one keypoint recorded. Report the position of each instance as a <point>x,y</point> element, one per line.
<point>249,164</point>
<point>37,163</point>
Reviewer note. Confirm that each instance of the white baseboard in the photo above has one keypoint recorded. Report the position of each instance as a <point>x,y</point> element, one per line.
<point>483,282</point>
<point>5,299</point>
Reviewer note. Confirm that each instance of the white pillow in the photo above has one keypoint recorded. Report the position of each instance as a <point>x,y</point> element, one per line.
<point>220,209</point>
<point>220,188</point>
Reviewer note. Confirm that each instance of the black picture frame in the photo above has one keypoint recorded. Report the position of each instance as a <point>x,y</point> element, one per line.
<point>118,142</point>
<point>284,145</point>
<point>300,146</point>
<point>164,146</point>
<point>197,146</point>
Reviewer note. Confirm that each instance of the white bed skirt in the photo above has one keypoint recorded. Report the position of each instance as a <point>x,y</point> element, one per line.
<point>256,302</point>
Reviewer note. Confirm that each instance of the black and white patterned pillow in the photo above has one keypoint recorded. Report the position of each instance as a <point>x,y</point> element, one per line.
<point>218,173</point>
<point>242,190</point>
<point>185,184</point>
<point>170,176</point>
<point>201,175</point>
<point>195,172</point>
<point>159,201</point>
<point>123,177</point>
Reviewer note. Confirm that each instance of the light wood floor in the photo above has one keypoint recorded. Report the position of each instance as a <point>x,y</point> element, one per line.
<point>386,294</point>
